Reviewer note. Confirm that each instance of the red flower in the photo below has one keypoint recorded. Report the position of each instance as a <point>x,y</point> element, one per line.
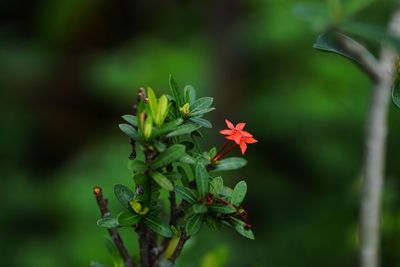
<point>236,133</point>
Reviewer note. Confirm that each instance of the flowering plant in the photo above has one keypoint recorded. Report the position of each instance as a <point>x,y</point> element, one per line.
<point>166,157</point>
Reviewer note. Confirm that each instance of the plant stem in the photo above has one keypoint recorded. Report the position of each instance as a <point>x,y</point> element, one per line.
<point>375,146</point>
<point>113,232</point>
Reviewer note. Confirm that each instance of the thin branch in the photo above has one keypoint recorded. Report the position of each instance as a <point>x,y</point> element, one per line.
<point>113,232</point>
<point>375,150</point>
<point>143,245</point>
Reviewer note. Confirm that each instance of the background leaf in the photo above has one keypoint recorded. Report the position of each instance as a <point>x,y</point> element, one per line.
<point>186,193</point>
<point>175,91</point>
<point>131,119</point>
<point>128,219</point>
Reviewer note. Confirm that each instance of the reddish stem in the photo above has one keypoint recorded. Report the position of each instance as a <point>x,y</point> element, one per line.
<point>221,150</point>
<point>225,153</point>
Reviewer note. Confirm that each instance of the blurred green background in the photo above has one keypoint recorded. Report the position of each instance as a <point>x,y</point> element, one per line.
<point>70,68</point>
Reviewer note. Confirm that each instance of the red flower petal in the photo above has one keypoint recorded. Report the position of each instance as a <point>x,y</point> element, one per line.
<point>230,137</point>
<point>243,147</point>
<point>240,126</point>
<point>246,134</point>
<point>250,140</point>
<point>229,124</point>
<point>237,138</point>
<point>226,132</point>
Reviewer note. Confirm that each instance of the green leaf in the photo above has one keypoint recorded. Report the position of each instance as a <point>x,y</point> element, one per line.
<point>168,127</point>
<point>187,194</point>
<point>186,158</point>
<point>217,185</point>
<point>148,128</point>
<point>230,164</point>
<point>202,180</point>
<point>170,155</point>
<point>131,119</point>
<point>193,224</point>
<point>175,91</point>
<point>162,181</point>
<point>152,102</point>
<point>124,195</point>
<point>189,145</point>
<point>199,208</point>
<point>184,129</point>
<point>128,219</point>
<point>128,130</point>
<point>107,222</point>
<point>190,94</point>
<point>241,229</point>
<point>137,165</point>
<point>201,112</point>
<point>239,192</point>
<point>201,122</point>
<point>158,226</point>
<point>224,209</point>
<point>201,104</point>
<point>212,152</point>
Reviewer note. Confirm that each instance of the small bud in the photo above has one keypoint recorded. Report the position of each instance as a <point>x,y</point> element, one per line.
<point>97,191</point>
<point>139,190</point>
<point>185,110</point>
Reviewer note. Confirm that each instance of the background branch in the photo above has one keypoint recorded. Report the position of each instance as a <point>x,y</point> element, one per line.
<point>375,149</point>
<point>113,232</point>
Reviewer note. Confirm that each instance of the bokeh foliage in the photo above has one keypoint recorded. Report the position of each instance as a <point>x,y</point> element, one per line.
<point>69,69</point>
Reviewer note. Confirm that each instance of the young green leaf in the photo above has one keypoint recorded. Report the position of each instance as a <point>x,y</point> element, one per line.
<point>128,219</point>
<point>158,226</point>
<point>187,194</point>
<point>230,164</point>
<point>239,192</point>
<point>202,122</point>
<point>202,180</point>
<point>162,110</point>
<point>241,228</point>
<point>162,181</point>
<point>148,128</point>
<point>124,195</point>
<point>184,129</point>
<point>170,155</point>
<point>201,104</point>
<point>224,209</point>
<point>190,94</point>
<point>131,119</point>
<point>199,208</point>
<point>212,152</point>
<point>193,224</point>
<point>152,102</point>
<point>128,130</point>
<point>107,222</point>
<point>175,91</point>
